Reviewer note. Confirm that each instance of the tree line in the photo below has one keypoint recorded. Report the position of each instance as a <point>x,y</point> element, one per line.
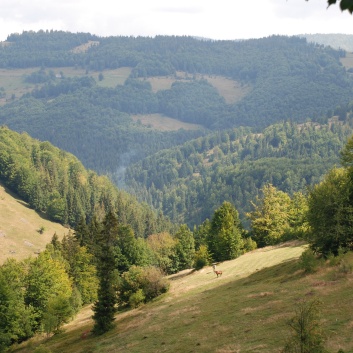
<point>55,182</point>
<point>189,182</point>
<point>106,263</point>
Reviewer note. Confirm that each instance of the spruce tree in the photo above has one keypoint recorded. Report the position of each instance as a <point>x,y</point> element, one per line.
<point>105,307</point>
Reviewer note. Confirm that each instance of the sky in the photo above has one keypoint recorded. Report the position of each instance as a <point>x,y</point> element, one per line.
<point>216,19</point>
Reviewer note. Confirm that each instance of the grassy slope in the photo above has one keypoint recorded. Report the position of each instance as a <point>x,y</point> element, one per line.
<point>13,83</point>
<point>19,225</point>
<point>245,310</point>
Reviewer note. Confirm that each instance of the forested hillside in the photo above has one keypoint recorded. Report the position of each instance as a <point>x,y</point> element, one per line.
<point>56,183</point>
<point>191,181</point>
<point>283,78</point>
<point>253,170</point>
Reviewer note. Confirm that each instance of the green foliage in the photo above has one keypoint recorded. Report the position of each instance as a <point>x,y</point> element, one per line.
<point>18,321</point>
<point>46,279</point>
<point>330,213</point>
<point>137,298</point>
<point>307,334</point>
<point>163,248</point>
<point>57,312</point>
<point>201,109</point>
<point>309,262</point>
<point>185,247</point>
<point>202,257</point>
<point>81,269</point>
<point>41,230</point>
<point>249,244</point>
<point>225,240</point>
<point>39,77</point>
<point>142,282</point>
<point>55,182</point>
<point>80,113</point>
<point>248,162</point>
<point>105,306</point>
<point>269,219</point>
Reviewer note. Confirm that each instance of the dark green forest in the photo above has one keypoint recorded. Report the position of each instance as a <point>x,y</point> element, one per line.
<point>290,80</point>
<point>189,182</point>
<point>56,183</point>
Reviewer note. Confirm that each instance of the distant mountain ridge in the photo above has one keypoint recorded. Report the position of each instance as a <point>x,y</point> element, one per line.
<point>334,40</point>
<point>281,78</point>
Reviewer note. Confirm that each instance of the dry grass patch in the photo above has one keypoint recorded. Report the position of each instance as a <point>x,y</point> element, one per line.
<point>232,348</point>
<point>84,47</point>
<point>231,90</point>
<point>19,228</point>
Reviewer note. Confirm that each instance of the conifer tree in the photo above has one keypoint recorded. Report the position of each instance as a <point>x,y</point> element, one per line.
<point>105,307</point>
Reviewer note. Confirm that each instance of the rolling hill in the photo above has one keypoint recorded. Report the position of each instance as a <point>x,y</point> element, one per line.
<point>245,310</point>
<point>87,99</point>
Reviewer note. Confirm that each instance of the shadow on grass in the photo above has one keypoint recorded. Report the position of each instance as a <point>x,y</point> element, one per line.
<point>181,274</point>
<point>284,272</point>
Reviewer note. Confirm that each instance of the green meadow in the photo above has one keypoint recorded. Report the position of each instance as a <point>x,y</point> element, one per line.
<point>245,310</point>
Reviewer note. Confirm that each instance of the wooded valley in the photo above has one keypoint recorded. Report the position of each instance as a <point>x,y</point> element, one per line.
<point>267,159</point>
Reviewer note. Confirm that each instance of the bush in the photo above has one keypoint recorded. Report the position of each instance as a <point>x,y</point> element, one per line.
<point>345,267</point>
<point>307,336</point>
<point>138,281</point>
<point>309,261</point>
<point>249,244</point>
<point>202,257</point>
<point>136,299</point>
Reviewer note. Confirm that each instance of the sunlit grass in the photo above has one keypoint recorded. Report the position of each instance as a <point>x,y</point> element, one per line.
<point>245,310</point>
<point>19,228</point>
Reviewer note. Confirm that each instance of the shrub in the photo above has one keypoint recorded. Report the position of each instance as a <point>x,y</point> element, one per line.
<point>202,257</point>
<point>153,282</point>
<point>345,267</point>
<point>136,299</point>
<point>138,281</point>
<point>307,335</point>
<point>309,261</point>
<point>249,244</point>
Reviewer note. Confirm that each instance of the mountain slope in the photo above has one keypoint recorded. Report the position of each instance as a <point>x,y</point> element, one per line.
<point>189,182</point>
<point>20,228</point>
<point>245,310</point>
<point>280,78</point>
<point>55,182</point>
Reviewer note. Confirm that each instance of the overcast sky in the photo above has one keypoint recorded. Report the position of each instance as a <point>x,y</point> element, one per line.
<point>216,19</point>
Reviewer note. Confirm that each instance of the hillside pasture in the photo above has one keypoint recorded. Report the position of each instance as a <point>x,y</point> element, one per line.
<point>14,85</point>
<point>232,91</point>
<point>20,226</point>
<point>84,47</point>
<point>163,123</point>
<point>245,310</point>
<point>112,78</point>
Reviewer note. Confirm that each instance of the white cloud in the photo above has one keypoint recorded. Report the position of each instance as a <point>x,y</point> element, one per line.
<point>222,19</point>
